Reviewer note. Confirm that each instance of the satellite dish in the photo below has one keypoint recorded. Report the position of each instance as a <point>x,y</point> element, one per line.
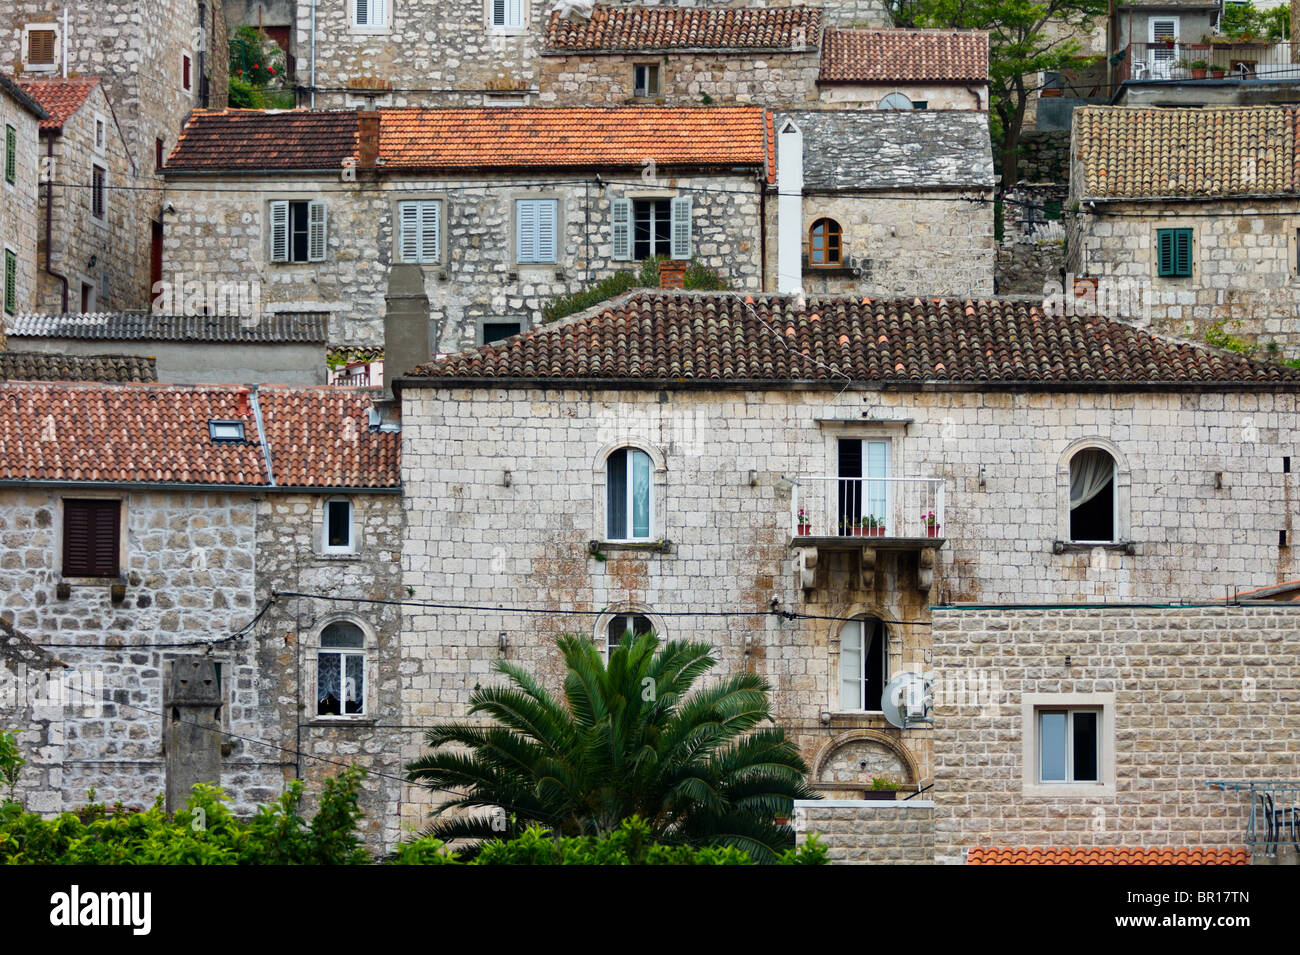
<point>908,699</point>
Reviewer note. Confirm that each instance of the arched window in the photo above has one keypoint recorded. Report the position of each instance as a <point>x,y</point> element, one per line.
<point>1092,496</point>
<point>341,671</point>
<point>629,495</point>
<point>825,243</point>
<point>896,101</point>
<point>625,626</point>
<point>864,664</point>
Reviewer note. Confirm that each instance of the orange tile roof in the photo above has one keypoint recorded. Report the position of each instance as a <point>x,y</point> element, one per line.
<point>158,434</point>
<point>641,28</point>
<point>572,136</point>
<point>1105,855</point>
<point>59,98</point>
<point>885,56</point>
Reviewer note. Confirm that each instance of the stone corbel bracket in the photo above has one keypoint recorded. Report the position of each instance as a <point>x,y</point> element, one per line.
<point>925,569</point>
<point>805,562</point>
<point>867,569</point>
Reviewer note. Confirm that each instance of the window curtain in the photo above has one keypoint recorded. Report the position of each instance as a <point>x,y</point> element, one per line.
<point>1090,472</point>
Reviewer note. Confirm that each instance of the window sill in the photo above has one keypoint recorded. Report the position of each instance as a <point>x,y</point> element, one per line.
<point>655,546</point>
<point>358,720</point>
<point>1068,790</point>
<point>1075,547</point>
<point>832,271</point>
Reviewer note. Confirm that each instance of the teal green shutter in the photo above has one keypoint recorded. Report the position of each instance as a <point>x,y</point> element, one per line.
<point>1174,252</point>
<point>1183,252</point>
<point>11,155</point>
<point>11,282</point>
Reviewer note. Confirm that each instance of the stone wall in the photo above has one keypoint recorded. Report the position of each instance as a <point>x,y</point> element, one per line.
<point>1023,268</point>
<point>219,236</point>
<point>1044,156</point>
<point>19,220</point>
<point>867,832</point>
<point>1244,280</point>
<point>935,96</point>
<point>472,539</point>
<point>907,243</point>
<point>1192,694</point>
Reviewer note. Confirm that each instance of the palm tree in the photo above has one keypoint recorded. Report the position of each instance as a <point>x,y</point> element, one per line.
<point>629,738</point>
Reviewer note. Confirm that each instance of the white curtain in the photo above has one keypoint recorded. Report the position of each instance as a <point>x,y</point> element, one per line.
<point>1090,471</point>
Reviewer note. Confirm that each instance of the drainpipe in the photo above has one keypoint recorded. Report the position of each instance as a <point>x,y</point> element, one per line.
<point>49,218</point>
<point>762,230</point>
<point>203,71</point>
<point>313,54</point>
<point>65,47</point>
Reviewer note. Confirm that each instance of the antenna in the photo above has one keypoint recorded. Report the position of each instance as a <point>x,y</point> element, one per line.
<point>908,700</point>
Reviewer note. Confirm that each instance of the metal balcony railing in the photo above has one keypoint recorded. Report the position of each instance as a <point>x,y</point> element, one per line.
<point>892,507</point>
<point>1163,60</point>
<point>1274,812</point>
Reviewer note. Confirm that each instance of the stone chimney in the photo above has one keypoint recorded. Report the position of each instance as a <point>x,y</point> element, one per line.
<point>368,138</point>
<point>192,730</point>
<point>789,208</point>
<point>406,323</point>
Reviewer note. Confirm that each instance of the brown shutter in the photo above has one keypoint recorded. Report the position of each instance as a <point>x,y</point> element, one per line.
<point>91,538</point>
<point>40,47</point>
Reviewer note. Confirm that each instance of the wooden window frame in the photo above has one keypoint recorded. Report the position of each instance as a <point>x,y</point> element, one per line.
<point>834,240</point>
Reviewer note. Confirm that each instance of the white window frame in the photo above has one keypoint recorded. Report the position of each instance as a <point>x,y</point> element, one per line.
<point>681,227</point>
<point>1033,704</point>
<point>600,636</point>
<point>1161,61</point>
<point>422,208</point>
<point>1114,499</point>
<point>541,254</point>
<point>351,546</point>
<point>30,67</point>
<point>343,653</point>
<point>649,70</point>
<point>187,58</point>
<point>101,134</point>
<point>379,16</point>
<point>895,99</point>
<point>860,622</point>
<point>280,217</point>
<point>514,15</point>
<point>482,320</point>
<point>631,497</point>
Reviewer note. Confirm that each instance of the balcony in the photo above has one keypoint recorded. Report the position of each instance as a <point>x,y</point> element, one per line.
<point>867,515</point>
<point>1164,60</point>
<point>1274,821</point>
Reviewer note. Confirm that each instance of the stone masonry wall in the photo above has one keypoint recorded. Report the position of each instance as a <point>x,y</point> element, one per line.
<point>471,539</point>
<point>219,236</point>
<point>18,210</point>
<point>870,832</point>
<point>1195,694</point>
<point>1245,281</point>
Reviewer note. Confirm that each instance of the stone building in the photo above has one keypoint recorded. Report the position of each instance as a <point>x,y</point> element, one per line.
<point>1193,216</point>
<point>882,202</point>
<point>19,115</point>
<point>150,527</point>
<point>904,69</point>
<point>502,209</point>
<point>850,463</point>
<point>95,248</point>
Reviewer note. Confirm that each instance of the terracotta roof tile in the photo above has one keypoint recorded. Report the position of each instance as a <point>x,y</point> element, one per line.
<point>660,335</point>
<point>59,98</point>
<point>42,366</point>
<point>272,139</point>
<point>1148,152</point>
<point>158,434</point>
<point>645,28</point>
<point>885,56</point>
<point>1105,855</point>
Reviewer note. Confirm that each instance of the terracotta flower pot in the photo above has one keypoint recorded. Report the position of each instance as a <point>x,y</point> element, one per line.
<point>803,530</point>
<point>932,530</point>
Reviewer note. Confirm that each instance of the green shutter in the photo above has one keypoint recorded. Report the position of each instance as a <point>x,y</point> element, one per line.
<point>1183,252</point>
<point>1174,252</point>
<point>11,155</point>
<point>11,282</point>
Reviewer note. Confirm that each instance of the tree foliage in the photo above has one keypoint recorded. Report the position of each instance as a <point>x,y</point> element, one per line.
<point>257,71</point>
<point>633,737</point>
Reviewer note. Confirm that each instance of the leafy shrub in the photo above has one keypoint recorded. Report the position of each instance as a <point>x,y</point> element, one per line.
<point>563,305</point>
<point>11,761</point>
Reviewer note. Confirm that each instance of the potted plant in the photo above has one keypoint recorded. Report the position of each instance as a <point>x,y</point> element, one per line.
<point>860,527</point>
<point>883,787</point>
<point>875,526</point>
<point>805,525</point>
<point>931,524</point>
<point>1218,72</point>
<point>1199,69</point>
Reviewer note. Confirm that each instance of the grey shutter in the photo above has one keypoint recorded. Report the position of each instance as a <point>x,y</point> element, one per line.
<point>408,231</point>
<point>516,15</point>
<point>279,232</point>
<point>547,230</point>
<point>430,231</point>
<point>526,230</point>
<point>681,228</point>
<point>316,231</point>
<point>363,13</point>
<point>498,13</point>
<point>620,223</point>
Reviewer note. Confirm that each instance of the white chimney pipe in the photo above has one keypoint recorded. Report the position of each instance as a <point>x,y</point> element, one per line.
<point>789,208</point>
<point>64,44</point>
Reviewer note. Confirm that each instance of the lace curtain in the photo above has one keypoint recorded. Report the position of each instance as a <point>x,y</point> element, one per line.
<point>1090,471</point>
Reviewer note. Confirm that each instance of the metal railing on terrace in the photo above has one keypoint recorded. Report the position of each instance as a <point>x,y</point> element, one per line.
<point>893,508</point>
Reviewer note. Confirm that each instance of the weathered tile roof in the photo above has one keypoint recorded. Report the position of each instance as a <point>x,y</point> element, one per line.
<point>847,150</point>
<point>648,29</point>
<point>19,653</point>
<point>719,337</point>
<point>158,434</point>
<point>885,56</point>
<point>265,140</point>
<point>501,137</point>
<point>1105,855</point>
<point>146,326</point>
<point>24,99</point>
<point>39,366</point>
<point>571,136</point>
<point>59,97</point>
<point>1128,152</point>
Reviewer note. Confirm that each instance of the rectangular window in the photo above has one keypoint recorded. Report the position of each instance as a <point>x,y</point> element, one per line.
<point>1174,252</point>
<point>338,527</point>
<point>645,80</point>
<point>370,13</point>
<point>101,135</point>
<point>645,228</point>
<point>159,155</point>
<point>87,298</point>
<point>91,538</point>
<point>11,155</point>
<point>41,45</point>
<point>1069,746</point>
<point>508,13</point>
<point>628,495</point>
<point>98,177</point>
<point>864,664</point>
<point>185,72</point>
<point>495,329</point>
<point>864,492</point>
<point>419,230</point>
<point>11,282</point>
<point>298,231</point>
<point>535,230</point>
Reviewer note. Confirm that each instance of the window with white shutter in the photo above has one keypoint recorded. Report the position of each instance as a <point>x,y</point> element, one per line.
<point>621,228</point>
<point>299,231</point>
<point>419,231</point>
<point>535,230</point>
<point>279,232</point>
<point>316,231</point>
<point>508,14</point>
<point>370,13</point>
<point>681,228</point>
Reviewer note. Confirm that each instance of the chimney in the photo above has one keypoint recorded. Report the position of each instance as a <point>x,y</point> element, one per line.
<point>406,324</point>
<point>368,138</point>
<point>241,402</point>
<point>789,208</point>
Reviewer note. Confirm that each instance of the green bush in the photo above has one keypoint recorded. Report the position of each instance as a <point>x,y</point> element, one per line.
<point>607,288</point>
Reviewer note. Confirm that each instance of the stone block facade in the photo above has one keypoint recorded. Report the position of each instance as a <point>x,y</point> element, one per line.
<point>19,221</point>
<point>1245,279</point>
<point>869,832</point>
<point>1187,694</point>
<point>216,235</point>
